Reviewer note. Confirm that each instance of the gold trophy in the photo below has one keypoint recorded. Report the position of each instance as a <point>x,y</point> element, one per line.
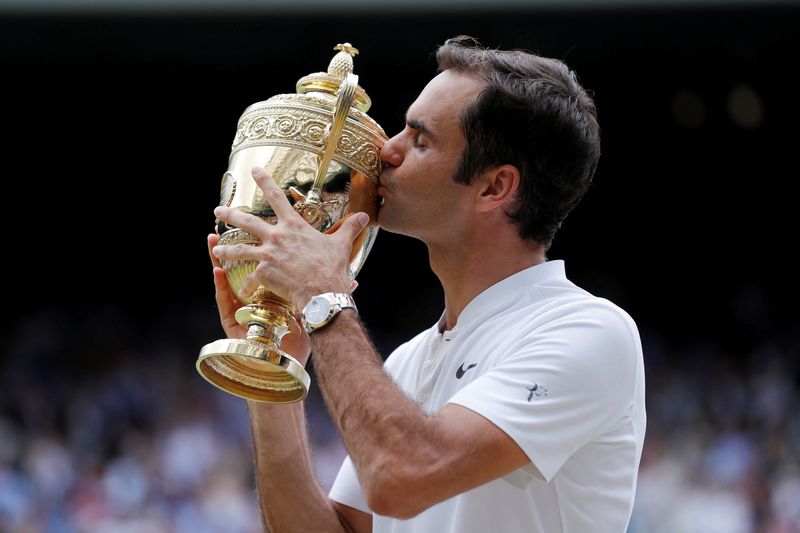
<point>323,150</point>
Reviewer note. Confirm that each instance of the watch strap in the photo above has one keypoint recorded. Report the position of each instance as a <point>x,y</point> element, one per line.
<point>337,302</point>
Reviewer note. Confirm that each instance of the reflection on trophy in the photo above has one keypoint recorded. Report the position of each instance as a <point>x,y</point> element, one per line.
<point>323,150</point>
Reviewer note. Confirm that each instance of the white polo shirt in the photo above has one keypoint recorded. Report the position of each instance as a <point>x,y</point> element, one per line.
<point>561,372</point>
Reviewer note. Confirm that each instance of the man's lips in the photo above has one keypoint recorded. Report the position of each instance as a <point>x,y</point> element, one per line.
<point>382,186</point>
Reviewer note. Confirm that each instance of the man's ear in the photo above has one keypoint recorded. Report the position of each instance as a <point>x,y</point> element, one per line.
<point>498,187</point>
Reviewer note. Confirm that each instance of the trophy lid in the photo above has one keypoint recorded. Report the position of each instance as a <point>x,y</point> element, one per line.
<point>329,82</point>
<point>312,119</point>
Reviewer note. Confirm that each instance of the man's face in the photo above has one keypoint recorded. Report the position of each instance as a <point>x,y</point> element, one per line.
<point>420,197</point>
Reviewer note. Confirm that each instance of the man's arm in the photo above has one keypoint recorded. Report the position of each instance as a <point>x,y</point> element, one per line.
<point>406,460</point>
<point>290,496</point>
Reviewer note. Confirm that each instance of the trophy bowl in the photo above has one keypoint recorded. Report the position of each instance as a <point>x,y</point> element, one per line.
<point>322,149</point>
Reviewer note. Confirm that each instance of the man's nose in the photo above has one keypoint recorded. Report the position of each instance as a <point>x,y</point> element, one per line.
<point>390,152</point>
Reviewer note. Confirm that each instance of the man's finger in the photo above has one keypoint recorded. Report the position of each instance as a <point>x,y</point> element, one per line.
<point>244,221</point>
<point>273,194</point>
<point>223,293</point>
<point>352,226</point>
<point>213,240</point>
<point>249,286</point>
<point>226,301</point>
<point>236,252</point>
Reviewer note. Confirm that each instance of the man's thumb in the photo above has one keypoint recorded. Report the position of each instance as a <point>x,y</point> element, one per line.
<point>353,225</point>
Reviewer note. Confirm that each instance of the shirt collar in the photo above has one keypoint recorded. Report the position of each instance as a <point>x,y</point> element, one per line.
<point>504,290</point>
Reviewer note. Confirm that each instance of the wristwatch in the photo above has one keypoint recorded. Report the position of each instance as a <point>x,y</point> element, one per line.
<point>321,309</point>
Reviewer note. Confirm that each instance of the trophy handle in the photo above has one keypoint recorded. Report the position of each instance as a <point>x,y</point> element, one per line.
<point>344,100</point>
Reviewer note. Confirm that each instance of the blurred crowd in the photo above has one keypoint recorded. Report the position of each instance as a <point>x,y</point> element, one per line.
<point>722,450</point>
<point>142,444</point>
<point>97,436</point>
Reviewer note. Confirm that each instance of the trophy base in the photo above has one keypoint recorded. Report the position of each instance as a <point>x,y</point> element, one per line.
<point>254,371</point>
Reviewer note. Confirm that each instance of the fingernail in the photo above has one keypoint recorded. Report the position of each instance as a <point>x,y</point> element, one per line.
<point>215,250</point>
<point>219,210</point>
<point>363,219</point>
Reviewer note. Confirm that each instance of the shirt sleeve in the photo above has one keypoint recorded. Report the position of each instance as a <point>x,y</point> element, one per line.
<point>346,488</point>
<point>561,384</point>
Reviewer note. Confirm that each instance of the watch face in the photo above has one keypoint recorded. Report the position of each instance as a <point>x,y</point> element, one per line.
<point>317,310</point>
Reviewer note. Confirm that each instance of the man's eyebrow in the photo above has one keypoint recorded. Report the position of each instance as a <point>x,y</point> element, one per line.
<point>418,125</point>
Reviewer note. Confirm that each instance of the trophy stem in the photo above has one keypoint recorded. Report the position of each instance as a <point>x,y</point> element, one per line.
<point>255,367</point>
<point>267,320</point>
<point>258,333</point>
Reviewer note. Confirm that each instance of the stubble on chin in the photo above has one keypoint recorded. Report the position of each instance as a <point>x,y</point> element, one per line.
<point>387,220</point>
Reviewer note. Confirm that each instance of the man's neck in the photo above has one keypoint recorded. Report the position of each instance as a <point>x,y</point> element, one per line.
<point>467,270</point>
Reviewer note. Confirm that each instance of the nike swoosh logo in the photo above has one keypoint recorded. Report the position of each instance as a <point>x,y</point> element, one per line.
<point>461,370</point>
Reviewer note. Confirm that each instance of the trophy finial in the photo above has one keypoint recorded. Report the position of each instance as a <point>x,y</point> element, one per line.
<point>329,82</point>
<point>342,63</point>
<point>347,47</point>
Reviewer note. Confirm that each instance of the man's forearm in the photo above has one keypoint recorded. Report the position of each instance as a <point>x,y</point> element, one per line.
<point>290,496</point>
<point>382,429</point>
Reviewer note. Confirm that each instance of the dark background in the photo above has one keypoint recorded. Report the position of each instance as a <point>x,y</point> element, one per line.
<point>118,128</point>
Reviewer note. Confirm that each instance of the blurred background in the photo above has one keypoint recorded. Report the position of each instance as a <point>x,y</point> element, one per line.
<point>118,120</point>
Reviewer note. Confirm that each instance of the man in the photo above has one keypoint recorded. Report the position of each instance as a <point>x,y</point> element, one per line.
<point>522,409</point>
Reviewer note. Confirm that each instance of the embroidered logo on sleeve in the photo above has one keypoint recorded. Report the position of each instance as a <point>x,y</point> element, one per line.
<point>536,392</point>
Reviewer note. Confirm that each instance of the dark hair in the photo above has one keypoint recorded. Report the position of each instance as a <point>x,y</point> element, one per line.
<point>532,114</point>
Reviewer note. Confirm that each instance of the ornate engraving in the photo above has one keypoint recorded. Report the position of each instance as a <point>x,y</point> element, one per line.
<point>312,131</point>
<point>238,236</point>
<point>302,121</point>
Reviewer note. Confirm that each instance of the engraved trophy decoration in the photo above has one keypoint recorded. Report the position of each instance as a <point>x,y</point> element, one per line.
<point>323,150</point>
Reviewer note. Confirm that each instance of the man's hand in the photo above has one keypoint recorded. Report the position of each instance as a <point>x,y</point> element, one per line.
<point>227,303</point>
<point>295,261</point>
